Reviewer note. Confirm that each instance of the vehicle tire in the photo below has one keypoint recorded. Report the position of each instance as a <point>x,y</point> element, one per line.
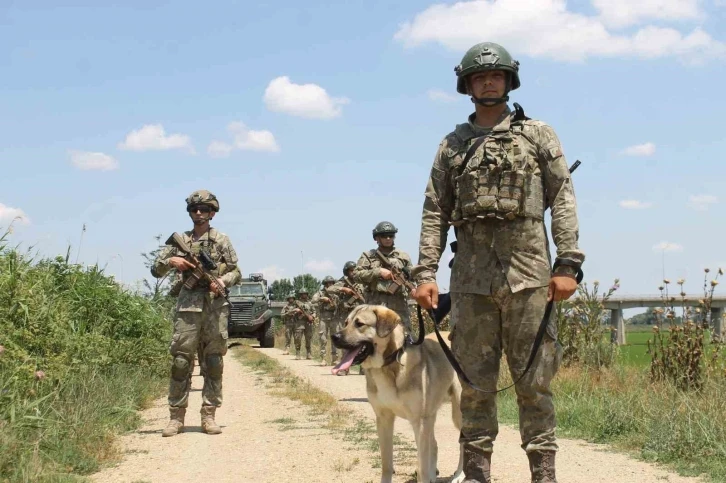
<point>268,335</point>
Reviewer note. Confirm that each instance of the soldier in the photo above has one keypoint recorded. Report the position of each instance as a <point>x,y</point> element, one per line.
<point>375,271</point>
<point>201,314</point>
<point>351,295</point>
<point>288,318</point>
<point>327,305</point>
<point>304,317</point>
<point>492,179</point>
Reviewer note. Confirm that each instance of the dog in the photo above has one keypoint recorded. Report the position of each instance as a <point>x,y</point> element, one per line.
<point>408,381</point>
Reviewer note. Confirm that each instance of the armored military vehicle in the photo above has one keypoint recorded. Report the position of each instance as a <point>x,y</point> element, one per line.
<point>250,316</point>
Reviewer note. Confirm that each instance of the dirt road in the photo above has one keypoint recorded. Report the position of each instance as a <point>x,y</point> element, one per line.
<point>267,438</point>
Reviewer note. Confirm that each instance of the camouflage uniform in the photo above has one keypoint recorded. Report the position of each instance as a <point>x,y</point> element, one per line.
<point>328,323</point>
<point>289,321</point>
<point>201,318</point>
<point>367,272</point>
<point>501,272</point>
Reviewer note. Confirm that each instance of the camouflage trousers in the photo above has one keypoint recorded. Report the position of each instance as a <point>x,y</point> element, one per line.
<point>205,333</point>
<point>328,326</point>
<point>289,331</point>
<point>395,302</point>
<point>484,327</point>
<point>303,328</point>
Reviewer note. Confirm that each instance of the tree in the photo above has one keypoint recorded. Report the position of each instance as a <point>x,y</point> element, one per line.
<point>280,289</point>
<point>157,287</point>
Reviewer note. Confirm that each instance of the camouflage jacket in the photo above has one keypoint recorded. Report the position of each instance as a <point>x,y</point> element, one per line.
<point>368,270</point>
<point>221,251</point>
<point>520,245</point>
<point>326,308</point>
<point>348,301</point>
<point>288,315</point>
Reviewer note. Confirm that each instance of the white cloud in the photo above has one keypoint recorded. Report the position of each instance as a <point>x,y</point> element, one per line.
<point>11,215</point>
<point>546,28</point>
<point>93,161</point>
<point>441,96</point>
<point>218,149</point>
<point>322,266</point>
<point>622,13</point>
<point>646,149</point>
<point>153,137</point>
<point>243,139</point>
<point>701,202</point>
<point>271,273</point>
<point>635,204</point>
<point>303,100</point>
<point>666,246</point>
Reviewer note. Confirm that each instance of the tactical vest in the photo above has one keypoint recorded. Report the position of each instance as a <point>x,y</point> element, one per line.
<point>497,181</point>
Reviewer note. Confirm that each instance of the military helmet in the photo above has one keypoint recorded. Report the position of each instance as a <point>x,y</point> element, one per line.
<point>203,197</point>
<point>384,227</point>
<point>328,279</point>
<point>348,266</point>
<point>486,56</point>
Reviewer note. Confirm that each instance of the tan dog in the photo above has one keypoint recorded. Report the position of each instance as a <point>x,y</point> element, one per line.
<point>409,382</point>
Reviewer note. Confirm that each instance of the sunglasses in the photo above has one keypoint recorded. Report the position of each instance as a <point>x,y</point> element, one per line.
<point>199,208</point>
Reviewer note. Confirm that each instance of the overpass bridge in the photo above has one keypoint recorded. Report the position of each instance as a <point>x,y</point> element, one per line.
<point>617,304</point>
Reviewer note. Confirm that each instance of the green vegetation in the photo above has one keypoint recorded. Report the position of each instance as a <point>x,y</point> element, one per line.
<point>79,355</point>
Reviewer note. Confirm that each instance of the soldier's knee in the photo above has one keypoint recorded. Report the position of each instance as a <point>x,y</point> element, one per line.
<point>214,365</point>
<point>180,368</point>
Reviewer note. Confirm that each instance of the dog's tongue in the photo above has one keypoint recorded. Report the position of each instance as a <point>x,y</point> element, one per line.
<point>346,361</point>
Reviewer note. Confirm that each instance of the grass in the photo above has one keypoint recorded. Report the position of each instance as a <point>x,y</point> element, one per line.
<point>685,431</point>
<point>79,355</point>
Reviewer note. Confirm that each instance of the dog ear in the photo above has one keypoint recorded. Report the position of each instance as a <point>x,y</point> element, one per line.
<point>386,320</point>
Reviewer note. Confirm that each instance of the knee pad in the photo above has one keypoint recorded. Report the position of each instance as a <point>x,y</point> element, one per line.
<point>214,365</point>
<point>180,368</point>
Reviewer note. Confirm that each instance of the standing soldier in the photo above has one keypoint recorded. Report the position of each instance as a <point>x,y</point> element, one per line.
<point>288,318</point>
<point>492,179</point>
<point>201,314</point>
<point>327,305</point>
<point>350,295</point>
<point>304,314</point>
<point>377,268</point>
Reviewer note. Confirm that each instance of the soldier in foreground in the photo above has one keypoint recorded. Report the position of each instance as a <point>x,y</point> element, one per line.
<point>384,272</point>
<point>288,318</point>
<point>304,319</point>
<point>327,305</point>
<point>350,295</point>
<point>201,314</point>
<point>492,179</point>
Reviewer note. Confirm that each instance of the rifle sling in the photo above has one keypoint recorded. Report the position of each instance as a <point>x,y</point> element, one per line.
<point>452,360</point>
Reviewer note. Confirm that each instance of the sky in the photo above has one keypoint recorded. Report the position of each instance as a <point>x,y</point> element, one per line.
<point>313,121</point>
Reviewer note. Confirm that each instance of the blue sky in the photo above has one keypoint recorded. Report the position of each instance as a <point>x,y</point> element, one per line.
<point>312,122</point>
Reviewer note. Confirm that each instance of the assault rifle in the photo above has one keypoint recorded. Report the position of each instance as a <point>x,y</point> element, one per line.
<point>301,308</point>
<point>399,278</point>
<point>203,265</point>
<point>444,305</point>
<point>356,295</point>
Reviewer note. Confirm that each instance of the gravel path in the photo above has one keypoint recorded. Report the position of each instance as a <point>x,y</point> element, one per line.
<point>258,446</point>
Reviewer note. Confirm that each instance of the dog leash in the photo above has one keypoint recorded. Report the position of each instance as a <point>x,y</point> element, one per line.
<point>455,364</point>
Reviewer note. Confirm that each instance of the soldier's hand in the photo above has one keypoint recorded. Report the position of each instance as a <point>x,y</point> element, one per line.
<point>217,286</point>
<point>427,295</point>
<point>561,287</point>
<point>386,274</point>
<point>180,263</point>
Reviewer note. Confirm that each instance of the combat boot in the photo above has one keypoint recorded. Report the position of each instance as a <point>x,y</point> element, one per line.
<point>176,422</point>
<point>477,466</point>
<point>209,426</point>
<point>542,466</point>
